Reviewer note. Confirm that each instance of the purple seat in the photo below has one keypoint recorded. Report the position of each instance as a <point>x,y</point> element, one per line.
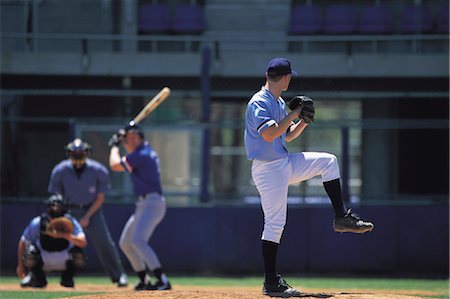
<point>340,19</point>
<point>188,19</point>
<point>306,19</point>
<point>154,18</point>
<point>442,20</point>
<point>375,19</point>
<point>416,19</point>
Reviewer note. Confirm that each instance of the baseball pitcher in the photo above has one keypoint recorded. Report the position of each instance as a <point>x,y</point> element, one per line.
<point>268,126</point>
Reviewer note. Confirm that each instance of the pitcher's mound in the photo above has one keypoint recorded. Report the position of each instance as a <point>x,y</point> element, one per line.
<point>211,292</point>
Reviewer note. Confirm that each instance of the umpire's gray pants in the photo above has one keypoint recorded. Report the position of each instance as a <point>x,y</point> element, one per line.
<point>98,235</point>
<point>138,230</point>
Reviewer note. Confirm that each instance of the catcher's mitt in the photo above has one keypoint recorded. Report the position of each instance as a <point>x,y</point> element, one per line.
<point>60,225</point>
<point>307,113</point>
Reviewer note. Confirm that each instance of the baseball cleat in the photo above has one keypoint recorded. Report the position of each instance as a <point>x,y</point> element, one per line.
<point>31,282</point>
<point>122,281</point>
<point>143,286</point>
<point>352,223</point>
<point>162,286</point>
<point>67,282</point>
<point>280,289</point>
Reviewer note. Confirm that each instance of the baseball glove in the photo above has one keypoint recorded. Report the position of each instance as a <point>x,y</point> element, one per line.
<point>307,113</point>
<point>60,225</point>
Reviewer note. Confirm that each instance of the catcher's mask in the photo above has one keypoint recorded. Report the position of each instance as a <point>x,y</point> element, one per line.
<point>132,127</point>
<point>56,206</point>
<point>77,151</point>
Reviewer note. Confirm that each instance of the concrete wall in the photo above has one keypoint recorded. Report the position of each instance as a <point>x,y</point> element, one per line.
<point>407,240</point>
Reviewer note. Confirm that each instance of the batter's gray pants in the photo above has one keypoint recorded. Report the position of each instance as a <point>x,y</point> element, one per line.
<point>99,236</point>
<point>138,230</point>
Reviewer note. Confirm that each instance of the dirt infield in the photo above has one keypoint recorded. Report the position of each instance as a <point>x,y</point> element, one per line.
<point>202,292</point>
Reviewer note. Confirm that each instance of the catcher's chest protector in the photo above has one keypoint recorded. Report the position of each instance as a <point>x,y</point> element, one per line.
<point>48,243</point>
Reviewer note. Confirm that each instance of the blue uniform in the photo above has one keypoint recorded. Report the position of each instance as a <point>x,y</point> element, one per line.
<point>53,259</point>
<point>263,111</point>
<point>146,173</point>
<point>143,166</point>
<point>273,167</point>
<point>81,190</point>
<point>33,230</point>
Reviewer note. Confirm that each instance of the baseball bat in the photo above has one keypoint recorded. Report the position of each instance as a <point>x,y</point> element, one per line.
<point>152,105</point>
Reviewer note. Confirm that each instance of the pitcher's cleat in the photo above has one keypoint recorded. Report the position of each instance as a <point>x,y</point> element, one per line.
<point>352,223</point>
<point>280,289</point>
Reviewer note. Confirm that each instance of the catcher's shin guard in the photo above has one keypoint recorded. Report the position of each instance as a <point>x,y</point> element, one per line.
<point>78,257</point>
<point>32,257</point>
<point>33,262</point>
<point>68,274</point>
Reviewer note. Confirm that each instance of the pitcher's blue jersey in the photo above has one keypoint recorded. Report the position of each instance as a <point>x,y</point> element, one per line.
<point>263,111</point>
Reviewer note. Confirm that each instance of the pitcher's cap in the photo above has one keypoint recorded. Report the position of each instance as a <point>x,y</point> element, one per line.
<point>280,66</point>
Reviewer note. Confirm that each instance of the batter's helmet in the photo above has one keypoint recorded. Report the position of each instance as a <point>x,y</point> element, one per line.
<point>56,206</point>
<point>77,149</point>
<point>132,127</point>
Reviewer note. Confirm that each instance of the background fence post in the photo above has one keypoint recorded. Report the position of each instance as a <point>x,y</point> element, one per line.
<point>206,111</point>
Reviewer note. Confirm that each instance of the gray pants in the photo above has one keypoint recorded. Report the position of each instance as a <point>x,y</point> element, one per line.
<point>98,234</point>
<point>138,230</point>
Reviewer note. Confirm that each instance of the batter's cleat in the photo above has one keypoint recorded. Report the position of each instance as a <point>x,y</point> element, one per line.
<point>352,223</point>
<point>143,286</point>
<point>122,281</point>
<point>280,289</point>
<point>162,286</point>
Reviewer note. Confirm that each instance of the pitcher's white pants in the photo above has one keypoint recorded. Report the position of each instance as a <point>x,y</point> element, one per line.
<point>272,179</point>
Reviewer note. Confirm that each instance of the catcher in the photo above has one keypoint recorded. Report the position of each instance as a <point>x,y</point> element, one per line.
<point>51,242</point>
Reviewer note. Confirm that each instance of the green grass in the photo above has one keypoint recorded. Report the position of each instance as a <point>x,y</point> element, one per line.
<point>39,294</point>
<point>439,286</point>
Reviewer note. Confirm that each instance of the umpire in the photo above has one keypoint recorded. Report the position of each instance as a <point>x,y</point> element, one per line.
<point>83,182</point>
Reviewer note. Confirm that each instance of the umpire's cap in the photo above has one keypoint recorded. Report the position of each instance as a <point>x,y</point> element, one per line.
<point>77,149</point>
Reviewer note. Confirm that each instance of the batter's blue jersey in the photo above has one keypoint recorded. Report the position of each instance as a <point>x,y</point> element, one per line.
<point>145,174</point>
<point>81,190</point>
<point>263,111</point>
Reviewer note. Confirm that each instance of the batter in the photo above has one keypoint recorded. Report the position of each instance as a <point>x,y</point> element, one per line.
<point>142,163</point>
<point>268,127</point>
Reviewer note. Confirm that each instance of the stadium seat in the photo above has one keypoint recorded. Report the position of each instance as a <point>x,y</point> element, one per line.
<point>416,18</point>
<point>340,19</point>
<point>306,19</point>
<point>442,23</point>
<point>154,18</point>
<point>188,19</point>
<point>375,19</point>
